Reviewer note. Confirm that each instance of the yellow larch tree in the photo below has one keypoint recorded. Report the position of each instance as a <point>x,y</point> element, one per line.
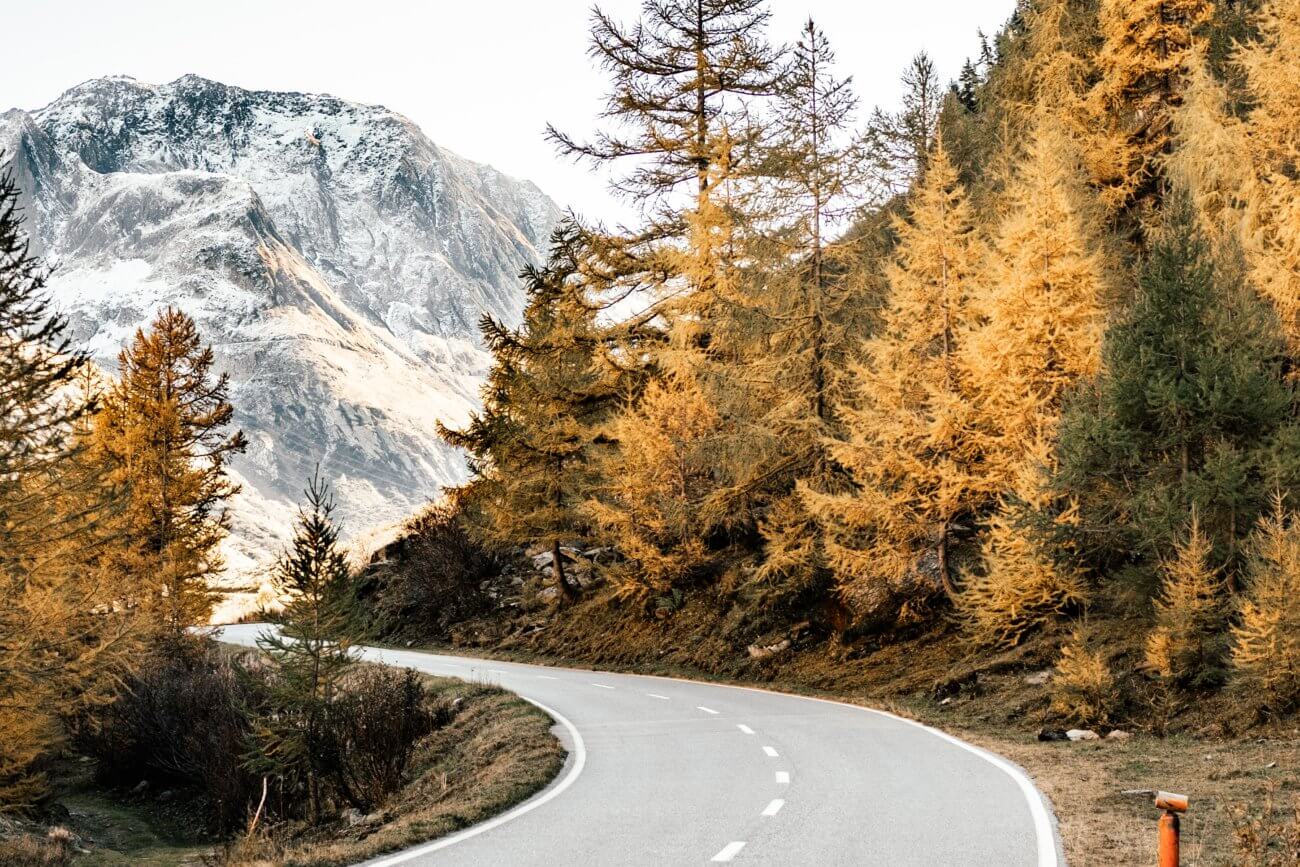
<point>1083,686</point>
<point>1272,243</point>
<point>64,635</point>
<point>1040,306</point>
<point>1026,578</point>
<point>1187,644</point>
<point>1142,62</point>
<point>905,413</point>
<point>1209,157</point>
<point>806,285</point>
<point>162,429</point>
<point>1266,639</point>
<point>1269,65</point>
<point>656,505</point>
<point>1058,69</point>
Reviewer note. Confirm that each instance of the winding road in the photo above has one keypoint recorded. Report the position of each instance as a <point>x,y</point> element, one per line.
<point>673,772</point>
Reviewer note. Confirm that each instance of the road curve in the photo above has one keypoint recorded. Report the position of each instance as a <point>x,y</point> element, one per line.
<point>666,772</point>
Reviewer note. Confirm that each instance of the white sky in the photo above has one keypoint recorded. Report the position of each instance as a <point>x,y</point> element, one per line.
<point>481,77</point>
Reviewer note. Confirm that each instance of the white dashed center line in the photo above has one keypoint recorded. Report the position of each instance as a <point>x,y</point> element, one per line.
<point>706,709</point>
<point>771,752</point>
<point>729,851</point>
<point>658,696</point>
<point>746,729</point>
<point>602,685</point>
<point>783,777</point>
<point>773,808</point>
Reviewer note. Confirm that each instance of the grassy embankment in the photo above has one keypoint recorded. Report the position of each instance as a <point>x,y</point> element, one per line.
<point>496,751</point>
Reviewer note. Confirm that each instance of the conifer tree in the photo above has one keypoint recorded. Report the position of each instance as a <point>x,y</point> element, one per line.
<point>1026,579</point>
<point>683,80</point>
<point>1268,64</point>
<point>657,504</point>
<point>1083,685</point>
<point>1272,130</point>
<point>162,428</point>
<point>311,649</point>
<point>676,78</point>
<point>1206,160</point>
<point>1146,45</point>
<point>905,411</point>
<point>1192,413</point>
<point>898,144</point>
<point>62,640</point>
<point>535,446</point>
<point>1189,641</point>
<point>1038,311</point>
<point>1266,638</point>
<point>812,184</point>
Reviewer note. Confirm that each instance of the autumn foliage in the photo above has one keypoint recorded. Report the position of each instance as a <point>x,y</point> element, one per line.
<point>1008,357</point>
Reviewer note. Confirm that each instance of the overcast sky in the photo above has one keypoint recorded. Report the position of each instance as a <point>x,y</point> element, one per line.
<point>482,77</point>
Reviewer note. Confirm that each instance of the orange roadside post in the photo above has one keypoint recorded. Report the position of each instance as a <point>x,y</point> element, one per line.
<point>1170,826</point>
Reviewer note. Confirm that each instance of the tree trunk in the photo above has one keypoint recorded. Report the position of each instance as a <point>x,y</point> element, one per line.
<point>567,590</point>
<point>945,570</point>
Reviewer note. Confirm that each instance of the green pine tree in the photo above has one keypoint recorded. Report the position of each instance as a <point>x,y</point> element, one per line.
<point>1190,415</point>
<point>311,652</point>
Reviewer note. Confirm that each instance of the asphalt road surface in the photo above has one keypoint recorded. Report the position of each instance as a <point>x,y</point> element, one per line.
<point>666,772</point>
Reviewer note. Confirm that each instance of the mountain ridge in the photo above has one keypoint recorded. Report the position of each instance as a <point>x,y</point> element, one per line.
<point>336,258</point>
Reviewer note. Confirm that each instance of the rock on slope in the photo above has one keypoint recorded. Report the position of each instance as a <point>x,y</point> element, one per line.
<point>336,258</point>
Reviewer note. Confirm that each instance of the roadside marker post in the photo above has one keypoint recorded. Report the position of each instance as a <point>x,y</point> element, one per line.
<point>1170,826</point>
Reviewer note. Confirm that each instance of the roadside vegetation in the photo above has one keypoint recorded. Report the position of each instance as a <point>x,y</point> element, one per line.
<point>921,404</point>
<point>127,736</point>
<point>985,409</point>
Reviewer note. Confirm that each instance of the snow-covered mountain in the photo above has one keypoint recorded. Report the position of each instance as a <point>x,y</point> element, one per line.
<point>337,259</point>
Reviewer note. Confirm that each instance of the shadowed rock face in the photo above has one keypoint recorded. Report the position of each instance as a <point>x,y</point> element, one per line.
<point>336,258</point>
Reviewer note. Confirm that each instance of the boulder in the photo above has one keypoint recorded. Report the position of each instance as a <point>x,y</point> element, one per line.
<point>1119,735</point>
<point>763,652</point>
<point>1082,735</point>
<point>1039,678</point>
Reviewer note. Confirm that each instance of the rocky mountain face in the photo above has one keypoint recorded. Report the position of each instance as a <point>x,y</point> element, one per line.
<point>335,257</point>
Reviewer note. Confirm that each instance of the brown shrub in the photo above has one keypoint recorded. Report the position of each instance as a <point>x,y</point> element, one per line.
<point>426,581</point>
<point>181,723</point>
<point>371,731</point>
<point>1268,837</point>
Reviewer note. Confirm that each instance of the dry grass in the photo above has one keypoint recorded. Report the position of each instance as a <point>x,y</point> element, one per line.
<point>1101,827</point>
<point>497,751</point>
<point>27,850</point>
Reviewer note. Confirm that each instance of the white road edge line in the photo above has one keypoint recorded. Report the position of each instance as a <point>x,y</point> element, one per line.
<point>602,685</point>
<point>783,777</point>
<point>1044,835</point>
<point>744,728</point>
<point>706,709</point>
<point>729,851</point>
<point>773,808</point>
<point>1034,800</point>
<point>658,696</point>
<point>547,795</point>
<point>771,752</point>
